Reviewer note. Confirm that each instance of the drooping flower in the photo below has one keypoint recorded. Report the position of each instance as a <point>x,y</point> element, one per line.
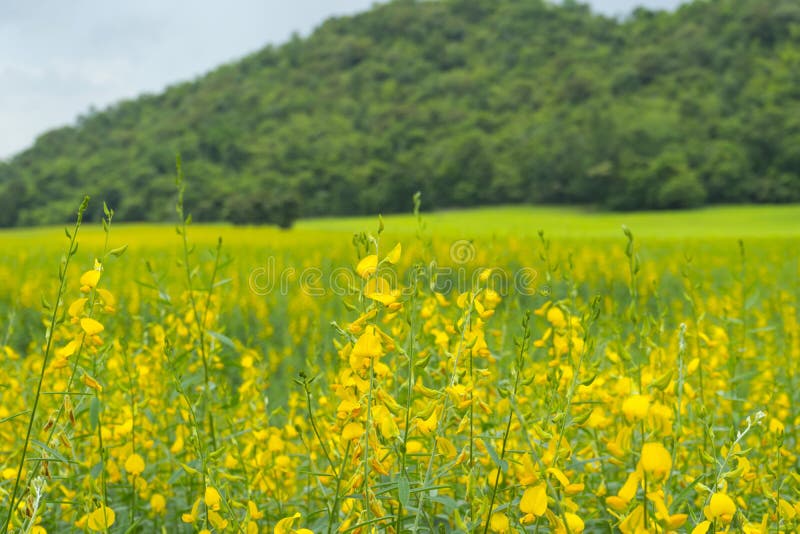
<point>655,460</point>
<point>158,503</point>
<point>367,347</point>
<point>91,327</point>
<point>394,254</point>
<point>499,523</point>
<point>101,519</point>
<point>90,382</point>
<point>720,507</point>
<point>212,498</point>
<point>636,407</point>
<point>352,430</point>
<point>134,465</point>
<point>89,280</point>
<point>367,266</point>
<point>533,502</point>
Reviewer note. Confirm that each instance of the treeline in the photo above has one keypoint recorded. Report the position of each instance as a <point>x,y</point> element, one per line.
<point>469,101</point>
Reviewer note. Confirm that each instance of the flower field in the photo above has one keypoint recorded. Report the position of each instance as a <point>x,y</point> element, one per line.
<point>400,378</point>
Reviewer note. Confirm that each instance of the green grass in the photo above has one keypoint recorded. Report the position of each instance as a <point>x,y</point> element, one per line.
<point>724,222</point>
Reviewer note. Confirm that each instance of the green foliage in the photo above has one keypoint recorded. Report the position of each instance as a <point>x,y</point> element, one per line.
<point>469,101</point>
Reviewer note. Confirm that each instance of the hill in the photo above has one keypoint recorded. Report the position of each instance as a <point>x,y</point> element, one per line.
<point>470,101</point>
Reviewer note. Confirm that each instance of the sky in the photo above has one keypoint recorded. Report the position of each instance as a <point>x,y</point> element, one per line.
<point>58,59</point>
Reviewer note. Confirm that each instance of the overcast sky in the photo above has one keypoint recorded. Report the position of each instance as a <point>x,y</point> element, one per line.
<point>58,57</point>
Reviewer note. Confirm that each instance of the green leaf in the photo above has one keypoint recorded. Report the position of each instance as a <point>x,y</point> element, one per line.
<point>222,338</point>
<point>94,413</point>
<point>119,251</point>
<point>403,490</point>
<point>189,469</point>
<point>502,464</point>
<point>52,452</point>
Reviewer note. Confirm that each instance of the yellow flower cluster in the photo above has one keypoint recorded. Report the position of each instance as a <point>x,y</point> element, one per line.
<point>614,394</point>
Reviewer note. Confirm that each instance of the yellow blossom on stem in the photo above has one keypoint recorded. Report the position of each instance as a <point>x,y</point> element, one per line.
<point>499,523</point>
<point>720,507</point>
<point>533,502</point>
<point>134,465</point>
<point>101,519</point>
<point>90,382</point>
<point>636,407</point>
<point>91,327</point>
<point>158,504</point>
<point>367,266</point>
<point>655,460</point>
<point>212,498</point>
<point>89,280</point>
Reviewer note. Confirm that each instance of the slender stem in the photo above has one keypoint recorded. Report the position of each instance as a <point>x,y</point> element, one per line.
<point>53,318</point>
<point>443,415</point>
<point>335,510</point>
<point>184,221</point>
<point>523,347</point>
<point>313,422</point>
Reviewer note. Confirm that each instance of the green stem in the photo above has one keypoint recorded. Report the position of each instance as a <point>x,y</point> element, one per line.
<point>523,347</point>
<point>53,318</point>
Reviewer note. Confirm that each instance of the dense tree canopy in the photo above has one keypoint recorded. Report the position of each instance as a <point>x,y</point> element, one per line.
<point>469,101</point>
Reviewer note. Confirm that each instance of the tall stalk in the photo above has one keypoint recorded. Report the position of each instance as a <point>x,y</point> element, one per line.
<point>522,349</point>
<point>62,280</point>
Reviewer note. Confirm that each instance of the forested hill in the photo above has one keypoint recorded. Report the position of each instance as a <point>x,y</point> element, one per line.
<point>495,101</point>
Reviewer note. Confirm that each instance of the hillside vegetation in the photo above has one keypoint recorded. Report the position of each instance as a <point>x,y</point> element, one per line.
<point>471,102</point>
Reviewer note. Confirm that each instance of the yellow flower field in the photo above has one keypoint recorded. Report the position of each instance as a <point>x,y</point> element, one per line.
<point>220,379</point>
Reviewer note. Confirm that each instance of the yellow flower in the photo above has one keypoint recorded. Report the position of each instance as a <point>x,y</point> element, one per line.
<point>252,509</point>
<point>534,500</point>
<point>655,460</point>
<point>720,507</point>
<point>68,350</point>
<point>91,382</point>
<point>379,290</point>
<point>499,523</point>
<point>76,308</point>
<point>701,527</point>
<point>192,516</point>
<point>636,407</point>
<point>284,526</point>
<point>108,300</point>
<point>352,431</point>
<point>427,426</point>
<point>217,520</point>
<point>394,255</point>
<point>675,521</point>
<point>446,447</point>
<point>212,498</point>
<point>91,327</point>
<point>616,503</point>
<point>556,317</point>
<point>89,280</point>
<point>385,420</point>
<point>134,465</point>
<point>367,266</point>
<point>368,346</point>
<point>574,522</point>
<point>158,503</point>
<point>101,519</point>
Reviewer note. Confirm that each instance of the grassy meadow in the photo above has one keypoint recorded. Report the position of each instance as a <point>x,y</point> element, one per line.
<point>457,371</point>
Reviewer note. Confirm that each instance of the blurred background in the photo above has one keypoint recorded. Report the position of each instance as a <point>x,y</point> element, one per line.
<point>343,107</point>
